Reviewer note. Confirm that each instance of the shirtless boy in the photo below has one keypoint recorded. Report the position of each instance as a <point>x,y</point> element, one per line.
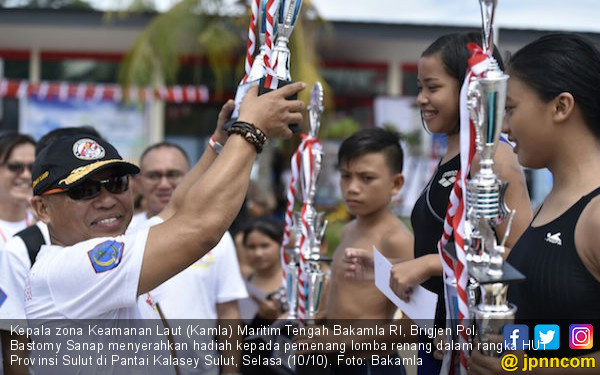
<point>370,163</point>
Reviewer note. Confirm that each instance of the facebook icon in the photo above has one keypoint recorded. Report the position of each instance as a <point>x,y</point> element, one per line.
<point>516,337</point>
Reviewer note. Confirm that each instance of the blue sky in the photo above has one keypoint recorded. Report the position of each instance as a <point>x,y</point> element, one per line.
<point>571,15</point>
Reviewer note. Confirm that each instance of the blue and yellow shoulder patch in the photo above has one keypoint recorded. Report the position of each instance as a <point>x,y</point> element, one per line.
<point>2,297</point>
<point>106,256</point>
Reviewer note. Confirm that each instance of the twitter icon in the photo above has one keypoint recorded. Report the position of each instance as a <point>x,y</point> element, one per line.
<point>546,337</point>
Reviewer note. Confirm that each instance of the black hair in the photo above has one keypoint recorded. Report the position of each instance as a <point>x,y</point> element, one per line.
<point>454,53</point>
<point>55,134</point>
<point>562,62</point>
<point>10,140</point>
<point>161,145</point>
<point>373,140</point>
<point>268,226</point>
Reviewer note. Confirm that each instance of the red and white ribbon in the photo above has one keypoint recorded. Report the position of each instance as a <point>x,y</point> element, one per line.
<point>64,91</point>
<point>271,79</point>
<point>455,215</point>
<point>254,5</point>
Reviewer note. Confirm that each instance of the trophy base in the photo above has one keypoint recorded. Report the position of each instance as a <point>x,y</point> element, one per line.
<point>295,128</point>
<point>490,324</point>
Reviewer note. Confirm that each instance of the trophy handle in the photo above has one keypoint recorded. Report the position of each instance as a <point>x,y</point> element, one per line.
<point>476,110</point>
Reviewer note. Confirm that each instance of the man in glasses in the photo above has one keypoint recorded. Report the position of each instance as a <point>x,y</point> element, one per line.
<point>162,167</point>
<point>200,291</point>
<point>80,187</point>
<point>18,254</point>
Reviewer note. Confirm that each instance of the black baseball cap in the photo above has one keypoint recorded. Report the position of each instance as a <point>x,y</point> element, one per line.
<point>67,161</point>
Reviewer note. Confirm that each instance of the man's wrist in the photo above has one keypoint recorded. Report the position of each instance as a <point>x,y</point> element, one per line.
<point>215,145</point>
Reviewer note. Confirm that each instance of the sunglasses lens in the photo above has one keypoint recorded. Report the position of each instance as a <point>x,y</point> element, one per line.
<point>15,167</point>
<point>91,188</point>
<point>18,168</point>
<point>87,190</point>
<point>117,185</point>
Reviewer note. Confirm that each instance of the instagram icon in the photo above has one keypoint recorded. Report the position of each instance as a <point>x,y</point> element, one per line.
<point>581,336</point>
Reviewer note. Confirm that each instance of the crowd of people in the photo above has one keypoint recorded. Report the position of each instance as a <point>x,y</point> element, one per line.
<point>72,248</point>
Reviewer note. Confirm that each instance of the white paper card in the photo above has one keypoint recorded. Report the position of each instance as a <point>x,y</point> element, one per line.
<point>422,305</point>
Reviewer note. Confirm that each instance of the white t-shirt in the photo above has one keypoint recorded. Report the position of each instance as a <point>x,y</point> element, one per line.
<point>93,279</point>
<point>195,292</point>
<point>9,228</point>
<point>139,219</point>
<point>14,268</point>
<point>97,278</point>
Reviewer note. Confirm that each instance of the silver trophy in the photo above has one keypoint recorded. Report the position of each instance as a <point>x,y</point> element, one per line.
<point>486,206</point>
<point>289,10</point>
<point>315,223</point>
<point>258,69</point>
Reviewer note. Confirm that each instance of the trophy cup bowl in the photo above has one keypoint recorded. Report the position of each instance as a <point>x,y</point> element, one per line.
<point>289,10</point>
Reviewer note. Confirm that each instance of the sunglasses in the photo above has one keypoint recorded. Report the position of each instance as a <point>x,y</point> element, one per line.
<point>172,175</point>
<point>90,189</point>
<point>18,167</point>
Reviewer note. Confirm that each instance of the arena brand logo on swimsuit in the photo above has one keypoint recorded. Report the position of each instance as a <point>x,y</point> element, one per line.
<point>448,178</point>
<point>554,238</point>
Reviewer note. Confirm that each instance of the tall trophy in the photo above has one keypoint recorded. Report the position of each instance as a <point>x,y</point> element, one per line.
<point>309,224</point>
<point>486,205</point>
<point>316,220</point>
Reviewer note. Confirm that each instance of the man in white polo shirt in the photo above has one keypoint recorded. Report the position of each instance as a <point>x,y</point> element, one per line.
<point>80,188</point>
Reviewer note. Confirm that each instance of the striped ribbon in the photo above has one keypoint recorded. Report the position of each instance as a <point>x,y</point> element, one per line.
<point>251,39</point>
<point>272,7</point>
<point>65,91</point>
<point>455,215</point>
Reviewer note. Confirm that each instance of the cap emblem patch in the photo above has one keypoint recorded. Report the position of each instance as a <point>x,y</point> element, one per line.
<point>88,149</point>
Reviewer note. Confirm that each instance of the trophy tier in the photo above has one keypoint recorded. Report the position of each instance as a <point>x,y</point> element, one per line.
<point>509,273</point>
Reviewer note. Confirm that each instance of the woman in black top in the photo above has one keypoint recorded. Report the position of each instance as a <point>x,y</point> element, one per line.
<point>441,72</point>
<point>553,116</point>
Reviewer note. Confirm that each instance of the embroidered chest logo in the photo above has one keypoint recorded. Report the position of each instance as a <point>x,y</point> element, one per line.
<point>2,296</point>
<point>106,256</point>
<point>448,178</point>
<point>554,238</point>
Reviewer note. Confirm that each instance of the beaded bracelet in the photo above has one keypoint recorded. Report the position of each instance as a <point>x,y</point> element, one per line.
<point>251,133</point>
<point>215,145</point>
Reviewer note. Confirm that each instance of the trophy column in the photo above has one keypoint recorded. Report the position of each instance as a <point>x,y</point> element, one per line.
<point>486,206</point>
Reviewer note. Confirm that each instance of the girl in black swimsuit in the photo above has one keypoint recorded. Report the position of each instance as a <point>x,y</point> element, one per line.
<point>553,116</point>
